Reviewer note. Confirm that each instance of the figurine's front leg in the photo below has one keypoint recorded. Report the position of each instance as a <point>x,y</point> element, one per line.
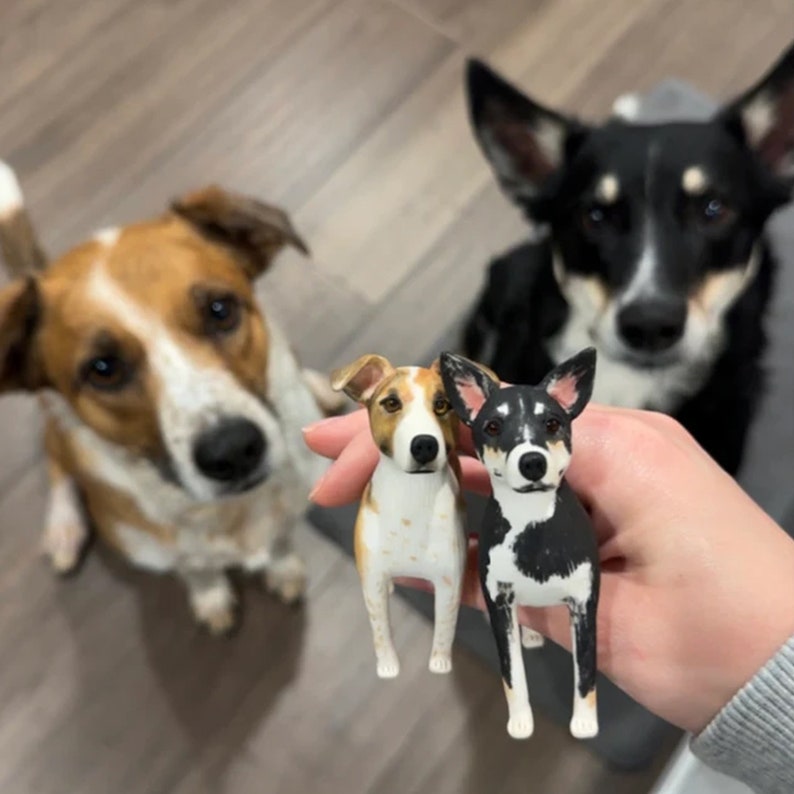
<point>376,597</point>
<point>447,604</point>
<point>504,624</point>
<point>584,723</point>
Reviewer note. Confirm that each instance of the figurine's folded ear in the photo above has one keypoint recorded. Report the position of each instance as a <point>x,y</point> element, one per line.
<point>255,230</point>
<point>571,383</point>
<point>360,379</point>
<point>20,312</point>
<point>468,385</point>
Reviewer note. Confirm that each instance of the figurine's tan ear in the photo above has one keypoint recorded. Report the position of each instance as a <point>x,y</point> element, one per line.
<point>360,379</point>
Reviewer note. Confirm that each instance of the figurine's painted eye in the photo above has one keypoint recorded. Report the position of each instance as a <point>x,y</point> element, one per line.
<point>391,404</point>
<point>552,426</point>
<point>441,406</point>
<point>493,427</point>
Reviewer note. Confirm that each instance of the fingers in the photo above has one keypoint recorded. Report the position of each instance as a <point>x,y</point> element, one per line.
<point>330,436</point>
<point>345,479</point>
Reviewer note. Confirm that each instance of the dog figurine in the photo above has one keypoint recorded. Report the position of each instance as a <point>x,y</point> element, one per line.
<point>173,404</point>
<point>410,521</point>
<point>537,546</point>
<point>647,240</point>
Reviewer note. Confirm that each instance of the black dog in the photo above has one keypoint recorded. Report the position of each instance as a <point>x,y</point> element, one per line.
<point>653,251</point>
<point>537,546</point>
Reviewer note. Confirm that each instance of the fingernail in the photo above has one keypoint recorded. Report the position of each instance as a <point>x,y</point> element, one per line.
<point>317,425</point>
<point>317,486</point>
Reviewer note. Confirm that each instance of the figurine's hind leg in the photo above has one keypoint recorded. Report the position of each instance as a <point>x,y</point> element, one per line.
<point>584,723</point>
<point>376,597</point>
<point>447,598</point>
<point>504,623</point>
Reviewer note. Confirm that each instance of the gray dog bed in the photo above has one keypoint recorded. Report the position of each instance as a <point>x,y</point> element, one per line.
<point>630,735</point>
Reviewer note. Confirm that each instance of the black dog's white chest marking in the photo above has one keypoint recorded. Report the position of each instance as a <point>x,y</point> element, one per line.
<point>535,548</point>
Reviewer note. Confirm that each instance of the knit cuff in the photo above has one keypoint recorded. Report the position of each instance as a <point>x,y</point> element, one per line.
<point>752,738</point>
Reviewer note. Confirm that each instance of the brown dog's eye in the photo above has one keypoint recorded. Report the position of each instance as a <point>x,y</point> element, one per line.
<point>222,314</point>
<point>391,404</point>
<point>441,406</point>
<point>107,373</point>
<point>492,427</point>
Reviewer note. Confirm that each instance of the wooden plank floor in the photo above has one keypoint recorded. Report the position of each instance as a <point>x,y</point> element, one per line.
<point>350,113</point>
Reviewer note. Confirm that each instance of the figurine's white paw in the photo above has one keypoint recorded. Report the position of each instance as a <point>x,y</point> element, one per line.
<point>388,668</point>
<point>286,579</point>
<point>521,726</point>
<point>531,638</point>
<point>440,664</point>
<point>584,726</point>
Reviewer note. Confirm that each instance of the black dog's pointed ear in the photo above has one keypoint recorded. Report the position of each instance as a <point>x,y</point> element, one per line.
<point>255,230</point>
<point>571,383</point>
<point>524,142</point>
<point>764,116</point>
<point>468,385</point>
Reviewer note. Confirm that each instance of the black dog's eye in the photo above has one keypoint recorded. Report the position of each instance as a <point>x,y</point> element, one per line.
<point>492,427</point>
<point>107,373</point>
<point>441,406</point>
<point>391,404</point>
<point>222,314</point>
<point>712,211</point>
<point>593,217</point>
<point>552,425</point>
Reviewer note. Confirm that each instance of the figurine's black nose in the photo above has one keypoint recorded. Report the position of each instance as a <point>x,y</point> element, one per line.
<point>532,465</point>
<point>424,449</point>
<point>230,451</point>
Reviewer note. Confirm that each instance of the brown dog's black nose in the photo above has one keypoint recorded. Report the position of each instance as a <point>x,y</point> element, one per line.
<point>424,449</point>
<point>652,325</point>
<point>532,465</point>
<point>230,451</point>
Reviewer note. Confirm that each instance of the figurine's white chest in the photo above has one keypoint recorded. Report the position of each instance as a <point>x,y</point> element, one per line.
<point>527,514</point>
<point>412,525</point>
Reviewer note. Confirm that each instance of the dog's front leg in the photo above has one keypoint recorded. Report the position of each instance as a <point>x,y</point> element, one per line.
<point>65,528</point>
<point>584,722</point>
<point>211,599</point>
<point>504,623</point>
<point>285,572</point>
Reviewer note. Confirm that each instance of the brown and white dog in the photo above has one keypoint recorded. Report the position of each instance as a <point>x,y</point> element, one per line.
<point>173,405</point>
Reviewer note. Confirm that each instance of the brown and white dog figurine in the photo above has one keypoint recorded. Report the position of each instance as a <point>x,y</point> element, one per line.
<point>410,522</point>
<point>173,405</point>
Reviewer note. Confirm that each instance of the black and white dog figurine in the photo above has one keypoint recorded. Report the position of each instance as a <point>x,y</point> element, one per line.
<point>537,546</point>
<point>648,244</point>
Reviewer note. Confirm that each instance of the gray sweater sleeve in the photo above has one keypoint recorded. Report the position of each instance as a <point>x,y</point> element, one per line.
<point>752,738</point>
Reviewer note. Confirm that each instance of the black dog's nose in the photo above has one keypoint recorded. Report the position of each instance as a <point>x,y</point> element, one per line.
<point>229,451</point>
<point>532,465</point>
<point>652,325</point>
<point>424,449</point>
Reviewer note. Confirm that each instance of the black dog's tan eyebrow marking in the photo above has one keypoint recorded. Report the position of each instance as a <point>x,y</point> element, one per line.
<point>694,180</point>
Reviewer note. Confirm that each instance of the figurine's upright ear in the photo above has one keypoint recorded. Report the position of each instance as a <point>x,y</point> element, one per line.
<point>571,383</point>
<point>468,385</point>
<point>360,379</point>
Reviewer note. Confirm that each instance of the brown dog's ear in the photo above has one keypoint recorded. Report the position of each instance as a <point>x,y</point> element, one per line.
<point>19,316</point>
<point>256,230</point>
<point>360,379</point>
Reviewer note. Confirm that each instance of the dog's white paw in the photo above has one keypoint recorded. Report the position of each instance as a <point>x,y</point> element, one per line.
<point>531,638</point>
<point>63,544</point>
<point>286,578</point>
<point>584,726</point>
<point>626,107</point>
<point>521,725</point>
<point>440,663</point>
<point>214,608</point>
<point>388,666</point>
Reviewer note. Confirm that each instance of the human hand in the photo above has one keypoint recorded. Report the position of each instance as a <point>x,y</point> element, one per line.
<point>697,588</point>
